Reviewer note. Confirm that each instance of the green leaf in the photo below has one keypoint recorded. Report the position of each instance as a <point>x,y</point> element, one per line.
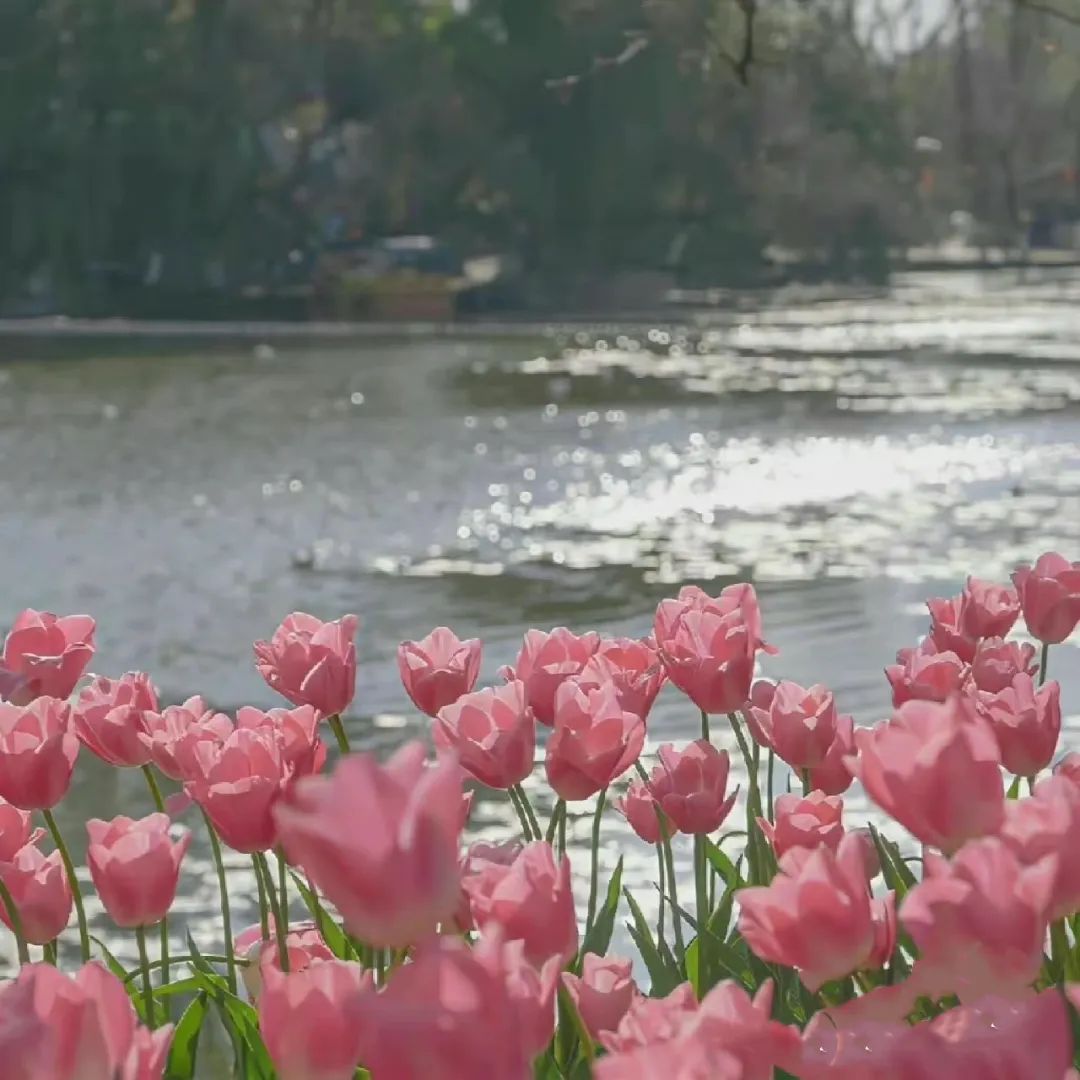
<point>180,986</point>
<point>664,976</point>
<point>893,868</point>
<point>723,865</point>
<point>185,1041</point>
<point>1014,789</point>
<point>599,936</point>
<point>332,934</point>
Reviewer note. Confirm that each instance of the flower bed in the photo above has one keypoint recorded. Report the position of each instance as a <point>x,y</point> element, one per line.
<point>807,948</point>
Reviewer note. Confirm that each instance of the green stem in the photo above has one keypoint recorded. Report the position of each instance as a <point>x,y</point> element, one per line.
<point>663,899</point>
<point>159,802</point>
<point>705,726</point>
<point>594,869</point>
<point>1059,948</point>
<point>148,989</point>
<point>214,958</point>
<point>526,828</point>
<point>1043,661</point>
<point>283,890</point>
<point>805,773</point>
<point>338,728</point>
<point>48,952</point>
<point>73,881</point>
<point>553,824</point>
<point>676,915</point>
<point>223,889</point>
<point>561,851</point>
<point>701,886</point>
<point>16,923</point>
<point>772,763</point>
<point>737,728</point>
<point>280,928</point>
<point>155,791</point>
<point>537,832</point>
<point>380,967</point>
<point>264,909</point>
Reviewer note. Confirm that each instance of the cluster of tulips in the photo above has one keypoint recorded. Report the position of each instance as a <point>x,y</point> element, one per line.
<point>808,949</point>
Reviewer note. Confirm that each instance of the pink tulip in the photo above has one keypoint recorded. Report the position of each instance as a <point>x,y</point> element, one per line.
<point>135,867</point>
<point>530,990</point>
<point>691,786</point>
<point>710,658</point>
<point>15,831</point>
<point>237,782</point>
<point>807,821</point>
<point>833,776</point>
<point>41,892</point>
<point>313,1021</point>
<point>1069,767</point>
<point>738,600</point>
<point>603,992</point>
<point>1026,723</point>
<point>594,741</point>
<point>945,632</point>
<point>632,667</point>
<point>480,854</point>
<point>652,1020</point>
<point>979,920</point>
<point>1049,597</point>
<point>934,768</point>
<point>530,900</point>
<point>545,662</point>
<point>492,732</point>
<point>755,711</point>
<point>800,724</point>
<point>27,1044</point>
<point>171,736</point>
<point>819,919</point>
<point>439,669</point>
<point>108,717</point>
<point>987,610</point>
<point>640,810</point>
<point>685,1058</point>
<point>396,877</point>
<point>998,662</point>
<point>923,674</point>
<point>309,662</point>
<point>447,1014</point>
<point>296,732</point>
<point>303,943</point>
<point>148,1055</point>
<point>44,656</point>
<point>37,753</point>
<point>1045,825</point>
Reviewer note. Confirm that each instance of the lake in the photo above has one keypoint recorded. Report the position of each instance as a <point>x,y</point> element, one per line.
<point>851,454</point>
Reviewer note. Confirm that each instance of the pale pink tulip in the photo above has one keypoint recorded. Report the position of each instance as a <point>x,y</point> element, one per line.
<point>652,1020</point>
<point>814,820</point>
<point>439,669</point>
<point>479,855</point>
<point>171,736</point>
<point>28,1046</point>
<point>545,661</point>
<point>945,632</point>
<point>987,610</point>
<point>1049,597</point>
<point>924,674</point>
<point>531,990</point>
<point>303,943</point>
<point>833,776</point>
<point>998,662</point>
<point>710,658</point>
<point>602,993</point>
<point>148,1055</point>
<point>691,786</point>
<point>40,890</point>
<point>738,600</point>
<point>309,662</point>
<point>37,753</point>
<point>15,831</point>
<point>800,724</point>
<point>296,732</point>
<point>1026,723</point>
<point>44,656</point>
<point>685,1058</point>
<point>641,811</point>
<point>108,717</point>
<point>632,667</point>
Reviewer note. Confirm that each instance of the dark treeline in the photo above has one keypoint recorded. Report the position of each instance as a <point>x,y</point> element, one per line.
<point>224,141</point>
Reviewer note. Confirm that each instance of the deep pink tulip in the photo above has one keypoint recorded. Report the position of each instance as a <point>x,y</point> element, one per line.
<point>447,1014</point>
<point>653,1020</point>
<point>171,735</point>
<point>821,918</point>
<point>738,600</point>
<point>309,662</point>
<point>1048,824</point>
<point>924,674</point>
<point>15,831</point>
<point>492,732</point>
<point>530,900</point>
<point>1049,597</point>
<point>237,782</point>
<point>979,919</point>
<point>632,667</point>
<point>934,768</point>
<point>41,892</point>
<point>602,993</point>
<point>945,632</point>
<point>809,821</point>
<point>594,742</point>
<point>297,734</point>
<point>396,877</point>
<point>1026,723</point>
<point>439,669</point>
<point>37,753</point>
<point>313,1021</point>
<point>531,990</point>
<point>640,810</point>
<point>833,776</point>
<point>998,662</point>
<point>135,867</point>
<point>987,610</point>
<point>691,786</point>
<point>800,724</point>
<point>545,662</point>
<point>108,716</point>
<point>480,854</point>
<point>92,1029</point>
<point>44,656</point>
<point>710,658</point>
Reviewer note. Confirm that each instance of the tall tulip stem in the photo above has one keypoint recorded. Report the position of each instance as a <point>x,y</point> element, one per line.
<point>73,881</point>
<point>338,728</point>
<point>16,923</point>
<point>705,726</point>
<point>1043,658</point>
<point>223,889</point>
<point>144,964</point>
<point>159,802</point>
<point>701,886</point>
<point>525,811</point>
<point>280,929</point>
<point>594,869</point>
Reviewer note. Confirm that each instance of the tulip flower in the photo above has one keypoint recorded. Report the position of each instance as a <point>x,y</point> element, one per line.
<point>492,732</point>
<point>945,632</point>
<point>739,601</point>
<point>480,854</point>
<point>987,610</point>
<point>439,669</point>
<point>632,667</point>
<point>172,735</point>
<point>710,658</point>
<point>690,786</point>
<point>799,724</point>
<point>807,821</point>
<point>15,831</point>
<point>44,656</point>
<point>640,810</point>
<point>1026,723</point>
<point>109,718</point>
<point>998,662</point>
<point>545,661</point>
<point>652,1020</point>
<point>41,892</point>
<point>135,867</point>
<point>296,732</point>
<point>1049,597</point>
<point>924,674</point>
<point>833,776</point>
<point>530,990</point>
<point>303,943</point>
<point>309,662</point>
<point>603,993</point>
<point>395,875</point>
<point>37,753</point>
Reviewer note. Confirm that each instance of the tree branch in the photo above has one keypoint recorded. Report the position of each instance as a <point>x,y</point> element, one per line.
<point>1051,10</point>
